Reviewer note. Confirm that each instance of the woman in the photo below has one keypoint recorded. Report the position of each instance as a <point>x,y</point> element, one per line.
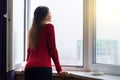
<point>41,48</point>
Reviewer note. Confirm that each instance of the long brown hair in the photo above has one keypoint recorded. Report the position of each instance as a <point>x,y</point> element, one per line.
<point>40,14</point>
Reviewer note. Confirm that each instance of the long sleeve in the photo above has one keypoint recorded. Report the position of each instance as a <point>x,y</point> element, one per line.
<point>52,47</point>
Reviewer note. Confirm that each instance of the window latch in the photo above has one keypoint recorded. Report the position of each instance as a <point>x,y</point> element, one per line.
<point>5,15</point>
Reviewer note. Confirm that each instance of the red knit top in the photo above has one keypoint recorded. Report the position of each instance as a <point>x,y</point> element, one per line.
<point>45,50</point>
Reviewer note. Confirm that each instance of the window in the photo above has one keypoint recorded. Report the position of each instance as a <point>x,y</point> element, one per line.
<point>18,31</point>
<point>107,32</point>
<point>15,34</point>
<point>67,16</point>
<point>107,37</point>
<point>100,18</point>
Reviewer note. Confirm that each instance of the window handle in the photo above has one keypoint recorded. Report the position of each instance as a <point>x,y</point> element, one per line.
<point>5,15</point>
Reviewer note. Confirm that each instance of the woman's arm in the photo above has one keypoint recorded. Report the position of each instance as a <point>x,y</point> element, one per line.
<point>52,47</point>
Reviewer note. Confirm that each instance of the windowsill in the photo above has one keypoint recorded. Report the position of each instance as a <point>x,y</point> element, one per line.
<point>82,75</point>
<point>89,75</point>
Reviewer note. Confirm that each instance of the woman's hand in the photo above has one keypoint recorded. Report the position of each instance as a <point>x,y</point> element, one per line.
<point>63,73</point>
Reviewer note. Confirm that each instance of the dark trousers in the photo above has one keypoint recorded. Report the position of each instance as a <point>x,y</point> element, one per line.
<point>38,73</point>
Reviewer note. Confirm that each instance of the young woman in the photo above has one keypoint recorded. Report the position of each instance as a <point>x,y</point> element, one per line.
<point>41,48</point>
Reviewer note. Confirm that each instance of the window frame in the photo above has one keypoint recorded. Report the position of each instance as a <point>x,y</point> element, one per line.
<point>85,41</point>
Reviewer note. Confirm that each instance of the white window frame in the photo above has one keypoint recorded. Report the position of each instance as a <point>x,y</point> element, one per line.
<point>9,35</point>
<point>106,68</point>
<point>85,41</point>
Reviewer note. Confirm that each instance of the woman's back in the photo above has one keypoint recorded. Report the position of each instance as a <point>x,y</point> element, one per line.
<point>40,56</point>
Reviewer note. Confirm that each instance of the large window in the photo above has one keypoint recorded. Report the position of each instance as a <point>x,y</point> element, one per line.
<point>101,32</point>
<point>67,17</point>
<point>108,32</point>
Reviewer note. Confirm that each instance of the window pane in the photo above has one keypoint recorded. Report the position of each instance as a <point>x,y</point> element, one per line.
<point>108,31</point>
<point>67,17</point>
<point>18,31</point>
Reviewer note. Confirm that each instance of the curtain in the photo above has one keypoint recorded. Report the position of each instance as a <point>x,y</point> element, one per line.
<point>3,9</point>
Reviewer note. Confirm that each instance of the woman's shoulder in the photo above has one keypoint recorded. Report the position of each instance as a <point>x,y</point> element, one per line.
<point>49,26</point>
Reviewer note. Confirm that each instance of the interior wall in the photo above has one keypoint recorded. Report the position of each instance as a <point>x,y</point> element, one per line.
<point>3,9</point>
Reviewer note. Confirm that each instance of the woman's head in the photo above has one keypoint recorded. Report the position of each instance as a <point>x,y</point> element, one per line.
<point>41,16</point>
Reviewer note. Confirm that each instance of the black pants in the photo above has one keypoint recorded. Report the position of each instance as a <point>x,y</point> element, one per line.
<point>38,73</point>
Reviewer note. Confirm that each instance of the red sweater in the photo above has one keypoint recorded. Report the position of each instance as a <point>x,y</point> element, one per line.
<point>45,50</point>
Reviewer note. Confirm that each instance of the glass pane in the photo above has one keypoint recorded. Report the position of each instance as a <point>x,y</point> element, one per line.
<point>108,31</point>
<point>18,31</point>
<point>67,17</point>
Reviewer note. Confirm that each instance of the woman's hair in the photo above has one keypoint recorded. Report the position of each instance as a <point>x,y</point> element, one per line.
<point>40,14</point>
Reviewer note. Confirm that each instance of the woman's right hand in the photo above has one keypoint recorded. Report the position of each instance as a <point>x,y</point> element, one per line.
<point>63,73</point>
